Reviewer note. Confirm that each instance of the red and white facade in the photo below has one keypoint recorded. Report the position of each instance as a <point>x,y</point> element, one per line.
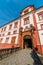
<point>12,34</point>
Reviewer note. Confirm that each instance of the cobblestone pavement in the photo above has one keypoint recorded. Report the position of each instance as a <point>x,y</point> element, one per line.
<point>21,57</point>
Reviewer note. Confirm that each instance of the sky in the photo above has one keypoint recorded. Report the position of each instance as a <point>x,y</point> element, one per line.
<point>10,9</point>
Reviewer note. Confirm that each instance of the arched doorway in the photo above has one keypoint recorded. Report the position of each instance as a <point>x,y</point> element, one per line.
<point>27,41</point>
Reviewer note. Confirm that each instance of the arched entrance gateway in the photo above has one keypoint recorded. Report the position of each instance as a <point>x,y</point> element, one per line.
<point>27,40</point>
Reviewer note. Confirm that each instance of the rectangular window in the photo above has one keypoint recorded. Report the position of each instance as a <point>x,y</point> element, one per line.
<point>0,34</point>
<point>9,33</point>
<point>41,26</point>
<point>4,28</point>
<point>3,34</point>
<point>26,20</point>
<point>10,26</point>
<point>6,41</point>
<point>14,32</point>
<point>15,24</point>
<point>40,15</point>
<point>1,39</point>
<point>13,39</point>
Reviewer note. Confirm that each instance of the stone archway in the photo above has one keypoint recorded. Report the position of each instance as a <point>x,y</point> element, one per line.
<point>26,33</point>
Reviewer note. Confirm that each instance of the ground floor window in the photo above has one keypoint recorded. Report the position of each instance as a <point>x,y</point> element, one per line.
<point>13,39</point>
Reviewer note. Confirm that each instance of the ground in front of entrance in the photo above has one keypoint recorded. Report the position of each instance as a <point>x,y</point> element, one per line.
<point>21,57</point>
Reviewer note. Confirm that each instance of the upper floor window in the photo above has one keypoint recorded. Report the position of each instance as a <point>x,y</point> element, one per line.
<point>4,28</point>
<point>0,34</point>
<point>14,32</point>
<point>10,26</point>
<point>40,15</point>
<point>9,33</point>
<point>3,34</point>
<point>1,39</point>
<point>26,20</point>
<point>41,26</point>
<point>15,24</point>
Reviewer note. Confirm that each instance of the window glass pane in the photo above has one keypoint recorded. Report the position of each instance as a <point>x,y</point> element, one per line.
<point>40,17</point>
<point>15,24</point>
<point>8,33</point>
<point>26,20</point>
<point>4,28</point>
<point>14,32</point>
<point>10,26</point>
<point>7,39</point>
<point>41,26</point>
<point>1,39</point>
<point>13,39</point>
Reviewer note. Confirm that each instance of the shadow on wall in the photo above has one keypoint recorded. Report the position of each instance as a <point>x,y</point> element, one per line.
<point>36,58</point>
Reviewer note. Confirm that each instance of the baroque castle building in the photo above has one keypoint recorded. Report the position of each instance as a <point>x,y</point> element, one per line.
<point>25,31</point>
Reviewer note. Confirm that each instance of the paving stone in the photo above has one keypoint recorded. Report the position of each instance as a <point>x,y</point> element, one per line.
<point>21,57</point>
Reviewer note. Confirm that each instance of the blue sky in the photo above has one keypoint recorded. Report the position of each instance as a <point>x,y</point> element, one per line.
<point>10,9</point>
